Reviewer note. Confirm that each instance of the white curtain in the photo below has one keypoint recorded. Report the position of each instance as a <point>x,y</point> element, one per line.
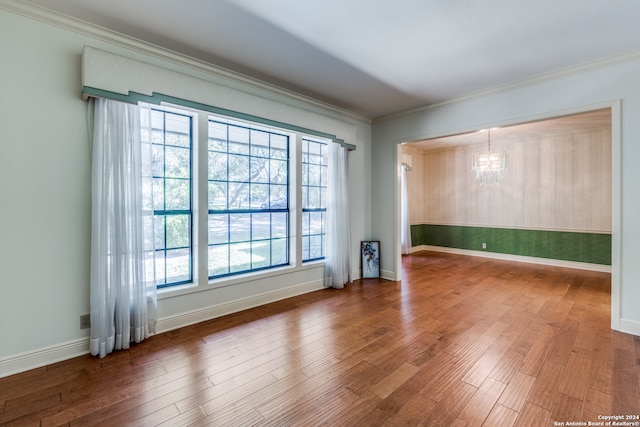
<point>123,292</point>
<point>405,224</point>
<point>338,238</point>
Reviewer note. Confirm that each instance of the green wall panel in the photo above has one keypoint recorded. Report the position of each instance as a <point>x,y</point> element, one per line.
<point>561,245</point>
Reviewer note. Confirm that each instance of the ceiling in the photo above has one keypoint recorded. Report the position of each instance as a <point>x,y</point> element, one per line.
<point>377,57</point>
<point>583,122</point>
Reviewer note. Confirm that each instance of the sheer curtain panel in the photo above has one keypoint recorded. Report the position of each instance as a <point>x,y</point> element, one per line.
<point>123,292</point>
<point>338,240</point>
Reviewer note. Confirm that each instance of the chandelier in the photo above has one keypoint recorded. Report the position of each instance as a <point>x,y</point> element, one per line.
<point>489,167</point>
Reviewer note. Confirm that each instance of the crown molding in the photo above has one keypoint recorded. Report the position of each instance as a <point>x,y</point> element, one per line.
<point>587,66</point>
<point>221,75</point>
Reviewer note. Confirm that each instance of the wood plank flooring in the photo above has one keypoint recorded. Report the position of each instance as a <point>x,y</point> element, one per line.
<point>461,341</point>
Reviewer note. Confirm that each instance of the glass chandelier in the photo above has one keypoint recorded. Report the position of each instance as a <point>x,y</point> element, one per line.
<point>489,167</point>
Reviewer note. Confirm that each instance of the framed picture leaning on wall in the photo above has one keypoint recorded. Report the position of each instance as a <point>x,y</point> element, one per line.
<point>370,258</point>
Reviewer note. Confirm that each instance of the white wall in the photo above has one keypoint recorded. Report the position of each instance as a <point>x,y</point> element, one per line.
<point>45,198</point>
<point>584,89</point>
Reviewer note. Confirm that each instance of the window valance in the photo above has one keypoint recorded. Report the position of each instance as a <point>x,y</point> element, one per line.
<point>108,75</point>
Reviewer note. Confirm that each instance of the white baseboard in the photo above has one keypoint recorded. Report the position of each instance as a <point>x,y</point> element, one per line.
<point>384,274</point>
<point>388,275</point>
<point>518,258</point>
<point>629,327</point>
<point>42,357</point>
<point>208,313</point>
<point>57,353</point>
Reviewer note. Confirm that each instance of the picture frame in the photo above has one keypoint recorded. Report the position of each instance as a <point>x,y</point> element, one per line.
<point>370,259</point>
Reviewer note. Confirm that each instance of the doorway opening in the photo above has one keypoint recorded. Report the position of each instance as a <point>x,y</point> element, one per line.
<point>556,204</point>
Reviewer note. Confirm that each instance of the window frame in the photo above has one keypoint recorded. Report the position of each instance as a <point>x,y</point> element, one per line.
<point>249,181</point>
<point>167,213</point>
<point>200,279</point>
<point>321,186</point>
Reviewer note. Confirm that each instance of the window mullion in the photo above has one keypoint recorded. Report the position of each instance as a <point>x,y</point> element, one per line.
<point>200,217</point>
<point>296,197</point>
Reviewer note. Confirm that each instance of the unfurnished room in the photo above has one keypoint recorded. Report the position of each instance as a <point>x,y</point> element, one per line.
<point>336,213</point>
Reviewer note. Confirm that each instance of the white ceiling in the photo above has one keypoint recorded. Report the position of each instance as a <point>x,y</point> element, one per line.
<point>583,122</point>
<point>377,57</point>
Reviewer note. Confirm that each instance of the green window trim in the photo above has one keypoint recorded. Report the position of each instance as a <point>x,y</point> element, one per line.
<point>158,98</point>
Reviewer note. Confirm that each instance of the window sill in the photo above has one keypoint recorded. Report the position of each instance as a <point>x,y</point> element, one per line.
<point>190,288</point>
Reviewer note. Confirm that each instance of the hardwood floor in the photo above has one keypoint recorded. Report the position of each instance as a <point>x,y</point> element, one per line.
<point>461,341</point>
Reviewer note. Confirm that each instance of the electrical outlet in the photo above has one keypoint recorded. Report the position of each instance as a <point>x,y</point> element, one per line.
<point>85,321</point>
<point>484,246</point>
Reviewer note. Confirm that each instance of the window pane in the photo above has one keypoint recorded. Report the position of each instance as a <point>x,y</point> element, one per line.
<point>260,226</point>
<point>218,229</point>
<point>218,260</point>
<point>256,187</point>
<point>316,222</point>
<point>315,247</point>
<point>177,194</point>
<point>279,224</point>
<point>217,166</point>
<point>238,168</point>
<point>278,192</point>
<point>314,198</point>
<point>238,140</point>
<point>314,150</point>
<point>239,257</point>
<point>178,231</point>
<point>218,195</point>
<point>157,122</point>
<point>259,169</point>
<point>259,143</point>
<point>278,171</point>
<point>240,227</point>
<point>238,196</point>
<point>260,254</point>
<point>177,162</point>
<point>279,144</point>
<point>217,136</point>
<point>279,248</point>
<point>314,175</point>
<point>178,265</point>
<point>178,130</point>
<point>157,136</point>
<point>259,196</point>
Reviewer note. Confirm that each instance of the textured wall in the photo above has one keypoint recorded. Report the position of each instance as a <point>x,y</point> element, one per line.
<point>591,248</point>
<point>551,183</point>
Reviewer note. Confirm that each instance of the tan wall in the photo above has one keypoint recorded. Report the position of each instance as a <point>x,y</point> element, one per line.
<point>553,183</point>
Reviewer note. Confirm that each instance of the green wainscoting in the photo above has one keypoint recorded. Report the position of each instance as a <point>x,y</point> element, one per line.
<point>561,245</point>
